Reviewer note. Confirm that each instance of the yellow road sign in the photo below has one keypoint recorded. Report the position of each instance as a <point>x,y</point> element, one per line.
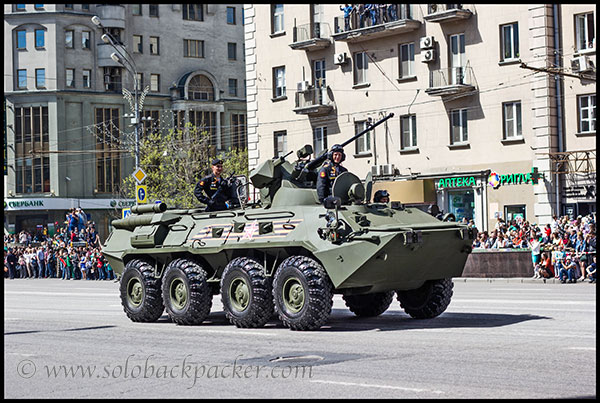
<point>139,175</point>
<point>141,194</point>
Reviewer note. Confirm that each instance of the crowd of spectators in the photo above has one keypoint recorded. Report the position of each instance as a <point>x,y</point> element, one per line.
<point>360,15</point>
<point>564,249</point>
<point>73,253</point>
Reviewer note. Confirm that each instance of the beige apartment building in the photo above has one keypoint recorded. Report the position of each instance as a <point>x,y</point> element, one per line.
<point>489,101</point>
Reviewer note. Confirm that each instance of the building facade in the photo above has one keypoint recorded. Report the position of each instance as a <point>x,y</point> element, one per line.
<point>489,101</point>
<point>69,132</point>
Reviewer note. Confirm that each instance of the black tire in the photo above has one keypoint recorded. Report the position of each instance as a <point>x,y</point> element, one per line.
<point>140,292</point>
<point>246,293</point>
<point>369,304</point>
<point>303,293</point>
<point>185,292</point>
<point>427,301</point>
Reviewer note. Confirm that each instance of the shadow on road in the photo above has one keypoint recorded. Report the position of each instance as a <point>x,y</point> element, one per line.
<point>342,320</point>
<point>77,329</point>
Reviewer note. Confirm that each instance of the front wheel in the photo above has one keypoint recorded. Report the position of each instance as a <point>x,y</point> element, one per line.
<point>427,301</point>
<point>140,292</point>
<point>302,292</point>
<point>186,293</point>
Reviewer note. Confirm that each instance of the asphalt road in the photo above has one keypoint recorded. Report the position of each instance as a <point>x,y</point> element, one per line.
<point>498,339</point>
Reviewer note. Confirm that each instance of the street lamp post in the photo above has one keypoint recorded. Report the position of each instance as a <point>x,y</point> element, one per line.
<point>129,63</point>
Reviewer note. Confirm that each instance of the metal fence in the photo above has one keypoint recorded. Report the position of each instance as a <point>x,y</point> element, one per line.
<point>315,30</point>
<point>451,76</point>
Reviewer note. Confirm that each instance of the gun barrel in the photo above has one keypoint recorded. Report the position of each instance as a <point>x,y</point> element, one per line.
<point>149,208</point>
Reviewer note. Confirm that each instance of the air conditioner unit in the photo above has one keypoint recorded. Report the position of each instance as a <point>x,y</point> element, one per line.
<point>376,170</point>
<point>340,58</point>
<point>580,64</point>
<point>428,56</point>
<point>427,42</point>
<point>387,169</point>
<point>303,86</point>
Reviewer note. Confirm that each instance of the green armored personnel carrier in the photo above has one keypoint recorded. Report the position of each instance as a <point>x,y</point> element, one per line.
<point>287,254</point>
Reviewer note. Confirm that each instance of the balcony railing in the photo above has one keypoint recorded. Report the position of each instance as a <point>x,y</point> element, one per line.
<point>313,101</point>
<point>451,81</point>
<point>390,19</point>
<point>448,12</point>
<point>311,36</point>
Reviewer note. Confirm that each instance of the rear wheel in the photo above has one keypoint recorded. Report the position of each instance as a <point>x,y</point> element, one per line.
<point>369,304</point>
<point>303,294</point>
<point>186,293</point>
<point>246,293</point>
<point>427,301</point>
<point>140,292</point>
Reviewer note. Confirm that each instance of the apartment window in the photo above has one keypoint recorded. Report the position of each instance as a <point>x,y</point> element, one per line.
<point>458,126</point>
<point>87,77</point>
<point>233,87</point>
<point>108,159</point>
<point>85,7</point>
<point>278,82</point>
<point>31,131</point>
<point>68,6</point>
<point>40,41</point>
<point>21,39</point>
<point>231,15</point>
<point>231,51</point>
<point>69,39</point>
<point>205,121</point>
<point>40,78</point>
<point>193,12</point>
<point>112,79</point>
<point>151,123</point>
<point>70,78</point>
<point>140,81</point>
<point>193,48</point>
<point>136,9</point>
<point>510,41</point>
<point>363,143</point>
<point>511,112</point>
<point>138,46</point>
<point>319,139</point>
<point>85,39</point>
<point>407,60</point>
<point>22,78</point>
<point>201,88</point>
<point>587,113</point>
<point>239,137</point>
<point>408,132</point>
<point>585,32</point>
<point>153,10</point>
<point>154,50</point>
<point>360,68</point>
<point>38,6</point>
<point>276,18</point>
<point>154,82</point>
<point>280,143</point>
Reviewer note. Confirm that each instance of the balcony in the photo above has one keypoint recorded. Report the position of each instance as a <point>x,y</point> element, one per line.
<point>451,81</point>
<point>393,20</point>
<point>104,51</point>
<point>313,36</point>
<point>313,101</point>
<point>111,15</point>
<point>447,13</point>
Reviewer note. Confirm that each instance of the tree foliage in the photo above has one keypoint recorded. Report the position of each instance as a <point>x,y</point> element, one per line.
<point>176,160</point>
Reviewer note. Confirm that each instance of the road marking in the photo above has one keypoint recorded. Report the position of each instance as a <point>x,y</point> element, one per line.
<point>582,348</point>
<point>71,294</point>
<point>526,301</point>
<point>368,385</point>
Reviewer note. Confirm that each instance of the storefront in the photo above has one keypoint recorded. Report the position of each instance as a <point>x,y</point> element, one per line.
<point>579,199</point>
<point>464,196</point>
<point>33,214</point>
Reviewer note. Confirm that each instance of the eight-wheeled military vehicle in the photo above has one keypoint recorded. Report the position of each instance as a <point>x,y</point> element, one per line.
<point>287,254</point>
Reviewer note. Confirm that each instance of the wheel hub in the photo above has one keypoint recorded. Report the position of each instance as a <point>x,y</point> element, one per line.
<point>179,294</point>
<point>135,292</point>
<point>239,294</point>
<point>293,295</point>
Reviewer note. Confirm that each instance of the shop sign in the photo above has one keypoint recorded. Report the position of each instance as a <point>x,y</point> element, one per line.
<point>495,179</point>
<point>587,191</point>
<point>23,204</point>
<point>55,203</point>
<point>456,182</point>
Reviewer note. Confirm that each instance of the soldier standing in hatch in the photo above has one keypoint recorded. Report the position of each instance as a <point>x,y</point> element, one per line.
<point>329,171</point>
<point>216,190</point>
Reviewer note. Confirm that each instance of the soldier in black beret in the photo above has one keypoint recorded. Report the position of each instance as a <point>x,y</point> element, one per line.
<point>329,171</point>
<point>213,190</point>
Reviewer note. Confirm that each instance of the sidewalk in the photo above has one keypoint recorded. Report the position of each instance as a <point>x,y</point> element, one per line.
<point>514,280</point>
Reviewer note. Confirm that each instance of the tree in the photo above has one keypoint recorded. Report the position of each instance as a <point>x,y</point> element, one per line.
<point>176,160</point>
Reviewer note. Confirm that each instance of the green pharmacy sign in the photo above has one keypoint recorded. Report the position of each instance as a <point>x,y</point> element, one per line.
<point>495,180</point>
<point>456,182</point>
